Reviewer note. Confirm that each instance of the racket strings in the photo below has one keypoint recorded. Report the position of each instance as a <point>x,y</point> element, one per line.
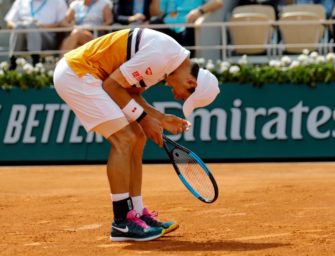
<point>194,174</point>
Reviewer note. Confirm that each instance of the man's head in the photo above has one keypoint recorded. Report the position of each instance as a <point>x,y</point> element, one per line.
<point>196,86</point>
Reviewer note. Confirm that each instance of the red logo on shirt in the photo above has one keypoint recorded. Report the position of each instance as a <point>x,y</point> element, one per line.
<point>148,71</point>
<point>137,76</point>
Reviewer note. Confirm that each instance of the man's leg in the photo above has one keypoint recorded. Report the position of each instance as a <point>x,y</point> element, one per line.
<point>127,225</point>
<point>17,42</point>
<point>120,160</point>
<point>188,39</point>
<point>34,39</point>
<point>136,183</point>
<point>34,43</point>
<point>135,187</point>
<point>77,38</point>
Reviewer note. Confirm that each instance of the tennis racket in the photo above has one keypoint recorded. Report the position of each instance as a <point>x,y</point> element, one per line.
<point>192,171</point>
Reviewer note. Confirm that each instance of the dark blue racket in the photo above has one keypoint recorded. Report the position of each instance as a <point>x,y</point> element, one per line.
<point>192,171</point>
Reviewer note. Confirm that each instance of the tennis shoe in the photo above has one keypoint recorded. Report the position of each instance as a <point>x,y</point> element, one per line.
<point>134,229</point>
<point>150,218</point>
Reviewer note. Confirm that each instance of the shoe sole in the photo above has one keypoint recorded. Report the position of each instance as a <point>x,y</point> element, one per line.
<point>173,227</point>
<point>121,239</point>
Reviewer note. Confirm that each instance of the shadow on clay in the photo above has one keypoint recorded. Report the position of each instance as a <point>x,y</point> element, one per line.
<point>169,244</point>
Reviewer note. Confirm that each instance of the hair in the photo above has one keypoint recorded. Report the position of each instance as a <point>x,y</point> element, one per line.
<point>195,70</point>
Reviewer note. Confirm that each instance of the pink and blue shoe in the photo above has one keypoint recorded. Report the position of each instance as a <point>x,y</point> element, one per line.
<point>134,229</point>
<point>150,219</point>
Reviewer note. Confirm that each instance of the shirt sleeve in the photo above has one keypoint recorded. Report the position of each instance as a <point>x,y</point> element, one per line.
<point>12,14</point>
<point>62,9</point>
<point>156,59</point>
<point>144,66</point>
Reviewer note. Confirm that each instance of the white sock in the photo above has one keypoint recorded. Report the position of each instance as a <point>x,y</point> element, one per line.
<point>137,204</point>
<point>119,197</point>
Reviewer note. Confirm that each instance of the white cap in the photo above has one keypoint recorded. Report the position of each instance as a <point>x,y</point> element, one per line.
<point>205,92</point>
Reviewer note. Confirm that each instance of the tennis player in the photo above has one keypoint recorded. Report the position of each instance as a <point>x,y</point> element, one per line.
<point>102,82</point>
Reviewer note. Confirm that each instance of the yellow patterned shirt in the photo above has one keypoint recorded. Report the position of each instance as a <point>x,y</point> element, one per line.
<point>144,56</point>
<point>101,56</point>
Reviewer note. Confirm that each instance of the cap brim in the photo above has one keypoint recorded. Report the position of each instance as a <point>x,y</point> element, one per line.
<point>205,92</point>
<point>188,106</point>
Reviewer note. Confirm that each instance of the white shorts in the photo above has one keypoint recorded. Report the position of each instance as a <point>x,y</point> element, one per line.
<point>87,99</point>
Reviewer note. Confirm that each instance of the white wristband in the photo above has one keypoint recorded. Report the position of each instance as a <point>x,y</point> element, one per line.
<point>132,110</point>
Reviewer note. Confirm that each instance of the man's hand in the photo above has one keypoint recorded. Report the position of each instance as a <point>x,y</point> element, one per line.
<point>153,129</point>
<point>138,17</point>
<point>175,124</point>
<point>192,16</point>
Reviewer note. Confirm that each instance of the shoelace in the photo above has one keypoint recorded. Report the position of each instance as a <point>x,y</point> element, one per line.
<point>152,214</point>
<point>150,218</point>
<point>135,217</point>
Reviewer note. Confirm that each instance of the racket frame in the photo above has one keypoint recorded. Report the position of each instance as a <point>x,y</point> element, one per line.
<point>180,175</point>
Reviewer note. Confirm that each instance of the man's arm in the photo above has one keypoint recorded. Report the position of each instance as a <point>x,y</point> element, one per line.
<point>121,92</point>
<point>11,24</point>
<point>171,123</point>
<point>136,94</point>
<point>107,14</point>
<point>210,6</point>
<point>116,86</point>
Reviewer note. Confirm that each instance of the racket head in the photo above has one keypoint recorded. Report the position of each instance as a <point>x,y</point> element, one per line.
<point>192,171</point>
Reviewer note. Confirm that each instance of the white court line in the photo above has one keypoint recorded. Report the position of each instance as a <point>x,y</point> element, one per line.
<point>277,235</point>
<point>262,236</point>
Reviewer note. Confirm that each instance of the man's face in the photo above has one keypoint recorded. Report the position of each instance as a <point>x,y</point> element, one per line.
<point>182,85</point>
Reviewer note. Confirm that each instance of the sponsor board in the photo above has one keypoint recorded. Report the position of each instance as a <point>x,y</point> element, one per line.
<point>244,123</point>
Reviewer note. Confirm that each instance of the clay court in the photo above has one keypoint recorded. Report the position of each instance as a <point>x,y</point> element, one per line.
<point>263,209</point>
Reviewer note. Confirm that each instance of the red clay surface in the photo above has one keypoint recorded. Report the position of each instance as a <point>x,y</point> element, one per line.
<point>263,210</point>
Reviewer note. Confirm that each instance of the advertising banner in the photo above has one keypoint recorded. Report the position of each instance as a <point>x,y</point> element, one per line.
<point>244,123</point>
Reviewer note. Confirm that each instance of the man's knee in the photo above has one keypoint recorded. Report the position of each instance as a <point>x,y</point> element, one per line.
<point>75,33</point>
<point>141,138</point>
<point>124,140</point>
